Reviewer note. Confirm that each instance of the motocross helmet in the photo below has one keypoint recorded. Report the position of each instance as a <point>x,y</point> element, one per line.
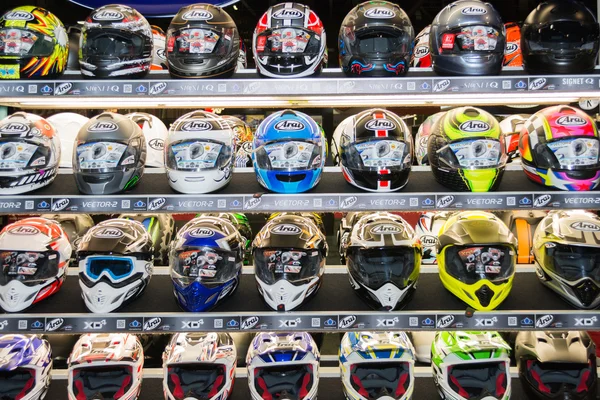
<point>159,57</point>
<point>511,128</point>
<point>476,255</point>
<point>116,42</point>
<point>422,341</point>
<point>283,366</point>
<point>289,42</point>
<point>512,54</point>
<point>383,260</point>
<point>116,261</point>
<point>427,231</point>
<point>345,230</point>
<point>243,137</point>
<point>34,253</point>
<point>242,224</point>
<point>421,56</point>
<point>206,260</point>
<point>289,152</point>
<point>29,153</point>
<point>375,149</point>
<point>75,226</point>
<point>161,228</point>
<point>557,365</point>
<point>523,224</point>
<point>33,44</point>
<point>559,147</point>
<point>467,38</point>
<point>155,134</point>
<point>202,42</point>
<point>466,150</point>
<point>376,39</point>
<point>67,126</point>
<point>422,138</point>
<point>560,37</point>
<point>289,261</point>
<point>377,365</point>
<point>567,256</point>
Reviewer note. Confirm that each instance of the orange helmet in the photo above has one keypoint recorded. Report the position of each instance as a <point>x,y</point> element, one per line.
<point>512,53</point>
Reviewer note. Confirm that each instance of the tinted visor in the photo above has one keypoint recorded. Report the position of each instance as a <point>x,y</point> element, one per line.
<point>22,154</point>
<point>200,41</point>
<point>554,378</point>
<point>289,156</point>
<point>478,380</point>
<point>294,265</point>
<point>473,154</point>
<point>569,154</point>
<point>470,264</point>
<point>116,267</point>
<point>28,266</point>
<point>22,42</point>
<point>289,382</point>
<point>381,380</point>
<point>102,382</point>
<point>564,36</point>
<point>373,155</point>
<point>573,263</point>
<point>109,43</point>
<point>470,38</point>
<point>104,156</point>
<point>375,267</point>
<point>288,41</point>
<point>198,155</point>
<point>16,384</point>
<point>382,42</point>
<point>206,264</point>
<point>197,381</point>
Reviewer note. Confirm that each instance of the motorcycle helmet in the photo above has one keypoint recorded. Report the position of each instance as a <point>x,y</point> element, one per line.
<point>29,153</point>
<point>476,256</point>
<point>345,230</point>
<point>283,366</point>
<point>202,42</point>
<point>105,366</point>
<point>559,148</point>
<point>116,261</point>
<point>242,62</point>
<point>377,365</point>
<point>161,228</point>
<point>466,150</point>
<point>243,138</point>
<point>25,368</point>
<point>512,54</point>
<point>75,226</point>
<point>422,138</point>
<point>116,42</point>
<point>566,254</point>
<point>33,44</point>
<point>376,39</point>
<point>383,258</point>
<point>467,38</point>
<point>422,341</point>
<point>289,261</point>
<point>74,33</point>
<point>375,149</point>
<point>242,224</point>
<point>511,127</point>
<point>199,153</point>
<point>557,365</point>
<point>289,42</point>
<point>155,134</point>
<point>289,152</point>
<point>337,136</point>
<point>109,156</point>
<point>159,57</point>
<point>206,260</point>
<point>67,126</point>
<point>471,365</point>
<point>427,231</point>
<point>315,217</point>
<point>199,366</point>
<point>421,56</point>
<point>34,253</point>
<point>523,223</point>
<point>560,37</point>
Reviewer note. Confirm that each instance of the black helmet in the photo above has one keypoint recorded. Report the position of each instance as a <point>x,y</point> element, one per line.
<point>109,156</point>
<point>560,37</point>
<point>467,38</point>
<point>202,42</point>
<point>557,365</point>
<point>376,39</point>
<point>116,42</point>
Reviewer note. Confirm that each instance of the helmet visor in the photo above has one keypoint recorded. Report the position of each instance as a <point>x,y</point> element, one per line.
<point>289,382</point>
<point>288,41</point>
<point>565,36</point>
<point>102,382</point>
<point>289,156</point>
<point>478,380</point>
<point>111,43</point>
<point>571,154</point>
<point>375,43</point>
<point>198,155</point>
<point>380,380</point>
<point>22,154</point>
<point>209,265</point>
<point>104,156</point>
<point>198,381</point>
<point>470,264</point>
<point>473,154</point>
<point>377,266</point>
<point>22,42</point>
<point>28,267</point>
<point>573,263</point>
<point>296,266</point>
<point>470,38</point>
<point>16,383</point>
<point>554,378</point>
<point>373,155</point>
<point>200,41</point>
<point>117,268</point>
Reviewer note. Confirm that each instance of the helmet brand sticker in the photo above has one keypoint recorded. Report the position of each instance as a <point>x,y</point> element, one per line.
<point>196,125</point>
<point>380,125</point>
<point>24,230</point>
<point>384,229</point>
<point>585,226</point>
<point>429,240</point>
<point>571,120</point>
<point>18,16</point>
<point>511,47</point>
<point>103,126</point>
<point>287,13</point>
<point>286,229</point>
<point>474,11</point>
<point>157,144</point>
<point>14,127</point>
<point>108,233</point>
<point>198,15</point>
<point>201,232</point>
<point>288,125</point>
<point>380,12</point>
<point>474,126</point>
<point>421,51</point>
<point>108,15</point>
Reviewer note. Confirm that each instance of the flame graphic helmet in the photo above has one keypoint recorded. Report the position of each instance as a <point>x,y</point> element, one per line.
<point>33,44</point>
<point>466,150</point>
<point>559,147</point>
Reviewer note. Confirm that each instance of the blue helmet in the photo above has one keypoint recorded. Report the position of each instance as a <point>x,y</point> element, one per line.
<point>206,260</point>
<point>289,152</point>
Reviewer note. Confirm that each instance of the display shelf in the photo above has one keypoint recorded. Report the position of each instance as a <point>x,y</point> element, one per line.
<point>333,193</point>
<point>334,308</point>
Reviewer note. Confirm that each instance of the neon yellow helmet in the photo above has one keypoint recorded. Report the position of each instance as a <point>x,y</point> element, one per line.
<point>476,255</point>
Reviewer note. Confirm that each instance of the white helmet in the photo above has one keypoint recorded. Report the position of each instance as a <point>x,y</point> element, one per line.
<point>427,230</point>
<point>422,340</point>
<point>337,137</point>
<point>155,132</point>
<point>511,127</point>
<point>67,125</point>
<point>199,153</point>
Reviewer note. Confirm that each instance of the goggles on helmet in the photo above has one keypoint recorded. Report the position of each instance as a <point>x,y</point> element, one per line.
<point>212,267</point>
<point>198,155</point>
<point>296,266</point>
<point>473,154</point>
<point>28,267</point>
<point>470,264</point>
<point>22,42</point>
<point>377,266</point>
<point>105,156</point>
<point>289,156</point>
<point>468,39</point>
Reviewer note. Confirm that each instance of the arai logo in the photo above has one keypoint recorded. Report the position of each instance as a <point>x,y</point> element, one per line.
<point>421,51</point>
<point>202,233</point>
<point>380,12</point>
<point>18,16</point>
<point>286,229</point>
<point>544,321</point>
<point>63,88</point>
<point>570,120</point>
<point>108,233</point>
<point>249,323</point>
<point>156,204</point>
<point>348,202</point>
<point>474,126</point>
<point>543,200</point>
<point>196,125</point>
<point>14,127</point>
<point>511,47</point>
<point>585,226</point>
<point>197,15</point>
<point>474,11</point>
<point>441,85</point>
<point>152,323</point>
<point>287,13</point>
<point>444,201</point>
<point>537,84</point>
<point>384,229</point>
<point>288,125</point>
<point>157,144</point>
<point>24,230</point>
<point>108,15</point>
<point>158,88</point>
<point>347,322</point>
<point>428,240</point>
<point>54,324</point>
<point>445,321</point>
<point>380,125</point>
<point>160,53</point>
<point>252,202</point>
<point>103,126</point>
<point>60,204</point>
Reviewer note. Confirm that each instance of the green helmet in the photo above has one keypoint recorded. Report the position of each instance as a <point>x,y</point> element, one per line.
<point>466,150</point>
<point>471,365</point>
<point>240,221</point>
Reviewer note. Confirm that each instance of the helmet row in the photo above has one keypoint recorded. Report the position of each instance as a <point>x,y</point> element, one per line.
<point>374,365</point>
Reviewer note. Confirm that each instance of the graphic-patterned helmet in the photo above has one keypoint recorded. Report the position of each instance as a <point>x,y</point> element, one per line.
<point>421,57</point>
<point>511,128</point>
<point>512,54</point>
<point>422,138</point>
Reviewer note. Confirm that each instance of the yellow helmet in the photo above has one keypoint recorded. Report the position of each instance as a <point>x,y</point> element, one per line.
<point>476,255</point>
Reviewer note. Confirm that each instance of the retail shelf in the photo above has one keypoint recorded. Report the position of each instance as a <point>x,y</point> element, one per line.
<point>334,308</point>
<point>333,193</point>
<point>330,89</point>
